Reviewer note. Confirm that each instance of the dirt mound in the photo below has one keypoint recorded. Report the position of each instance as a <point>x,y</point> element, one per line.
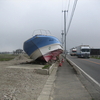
<point>21,57</point>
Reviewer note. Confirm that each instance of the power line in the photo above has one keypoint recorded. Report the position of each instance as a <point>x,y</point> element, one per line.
<point>68,10</point>
<point>73,10</point>
<point>66,32</point>
<point>65,7</point>
<point>68,5</point>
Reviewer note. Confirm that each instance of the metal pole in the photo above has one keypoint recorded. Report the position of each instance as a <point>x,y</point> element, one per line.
<point>62,38</point>
<point>65,29</point>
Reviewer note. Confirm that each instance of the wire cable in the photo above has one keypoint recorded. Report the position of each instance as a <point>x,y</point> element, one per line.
<point>68,10</point>
<point>73,10</point>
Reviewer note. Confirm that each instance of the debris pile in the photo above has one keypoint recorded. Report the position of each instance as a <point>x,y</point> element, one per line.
<point>21,57</point>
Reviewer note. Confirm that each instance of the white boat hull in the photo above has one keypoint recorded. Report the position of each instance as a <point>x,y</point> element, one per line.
<point>45,50</point>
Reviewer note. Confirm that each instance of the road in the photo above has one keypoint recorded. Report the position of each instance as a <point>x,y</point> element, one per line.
<point>90,66</point>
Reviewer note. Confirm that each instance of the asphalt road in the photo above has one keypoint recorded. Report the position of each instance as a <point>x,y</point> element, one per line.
<point>90,66</point>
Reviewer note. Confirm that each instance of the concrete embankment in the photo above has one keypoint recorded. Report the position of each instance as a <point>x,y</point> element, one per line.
<point>46,91</point>
<point>47,71</point>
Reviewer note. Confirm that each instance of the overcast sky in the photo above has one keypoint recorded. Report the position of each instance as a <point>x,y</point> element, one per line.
<point>19,18</point>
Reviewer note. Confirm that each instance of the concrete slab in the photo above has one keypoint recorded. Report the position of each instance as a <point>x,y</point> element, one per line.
<point>45,94</point>
<point>68,86</point>
<point>26,66</point>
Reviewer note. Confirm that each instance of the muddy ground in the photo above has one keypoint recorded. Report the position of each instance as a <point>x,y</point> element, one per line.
<point>20,83</point>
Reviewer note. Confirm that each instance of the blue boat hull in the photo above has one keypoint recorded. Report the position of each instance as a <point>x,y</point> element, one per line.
<point>40,45</point>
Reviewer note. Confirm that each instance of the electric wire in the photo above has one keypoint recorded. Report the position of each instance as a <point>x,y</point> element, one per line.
<point>67,5</point>
<point>62,22</point>
<point>70,20</point>
<point>73,10</point>
<point>68,10</point>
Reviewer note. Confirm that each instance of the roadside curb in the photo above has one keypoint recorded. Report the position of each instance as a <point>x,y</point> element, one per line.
<point>45,94</point>
<point>46,71</point>
<point>80,71</point>
<point>90,84</point>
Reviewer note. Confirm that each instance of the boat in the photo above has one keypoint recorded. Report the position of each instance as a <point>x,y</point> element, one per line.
<point>43,47</point>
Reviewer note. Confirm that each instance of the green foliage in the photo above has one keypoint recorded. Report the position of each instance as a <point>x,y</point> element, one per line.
<point>6,57</point>
<point>95,57</point>
<point>46,67</point>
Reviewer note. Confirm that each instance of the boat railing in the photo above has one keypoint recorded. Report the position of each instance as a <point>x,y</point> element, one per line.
<point>41,32</point>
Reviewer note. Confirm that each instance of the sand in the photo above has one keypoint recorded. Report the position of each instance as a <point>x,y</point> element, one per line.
<point>20,83</point>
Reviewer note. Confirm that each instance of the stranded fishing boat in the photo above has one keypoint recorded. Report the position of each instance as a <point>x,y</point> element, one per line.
<point>43,47</point>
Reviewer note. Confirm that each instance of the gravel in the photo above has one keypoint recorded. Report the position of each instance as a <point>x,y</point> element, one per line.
<point>20,83</point>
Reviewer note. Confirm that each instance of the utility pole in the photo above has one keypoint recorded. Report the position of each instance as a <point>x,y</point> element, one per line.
<point>62,38</point>
<point>65,29</point>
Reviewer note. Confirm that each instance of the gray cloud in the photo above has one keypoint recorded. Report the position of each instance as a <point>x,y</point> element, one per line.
<point>18,20</point>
